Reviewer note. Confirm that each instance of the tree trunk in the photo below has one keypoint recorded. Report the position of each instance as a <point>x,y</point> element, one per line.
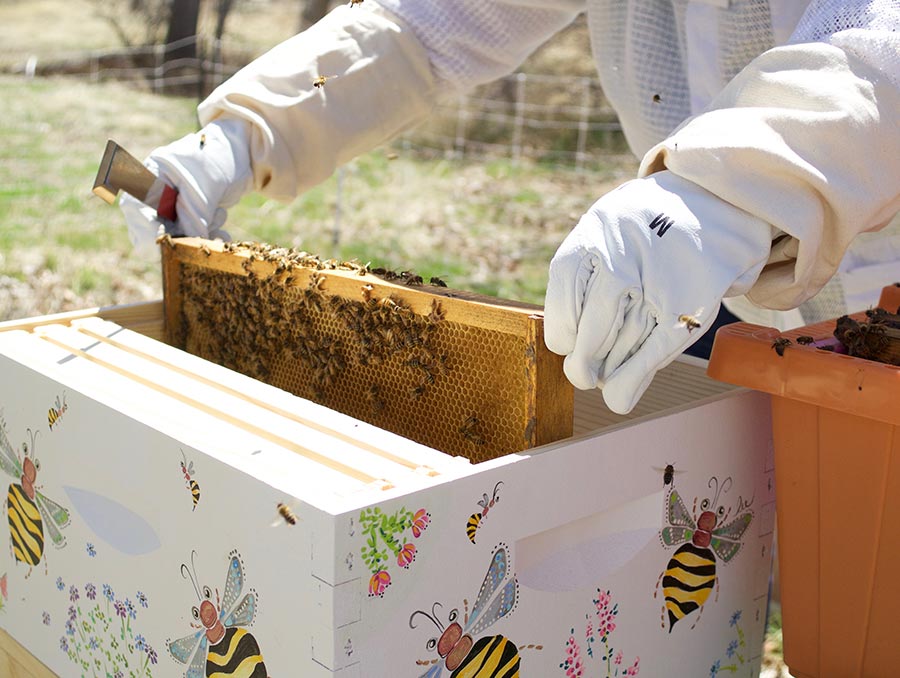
<point>183,25</point>
<point>313,10</point>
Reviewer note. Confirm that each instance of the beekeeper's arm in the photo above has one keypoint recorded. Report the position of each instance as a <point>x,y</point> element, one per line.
<point>761,194</point>
<point>270,129</point>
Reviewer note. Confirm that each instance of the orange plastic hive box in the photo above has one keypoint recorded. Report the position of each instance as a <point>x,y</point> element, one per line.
<point>836,429</point>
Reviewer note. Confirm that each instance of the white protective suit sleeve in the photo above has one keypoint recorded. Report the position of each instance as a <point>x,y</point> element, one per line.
<point>806,138</point>
<point>383,80</point>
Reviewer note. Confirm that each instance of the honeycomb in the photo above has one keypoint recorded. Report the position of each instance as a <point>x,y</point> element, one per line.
<point>463,374</point>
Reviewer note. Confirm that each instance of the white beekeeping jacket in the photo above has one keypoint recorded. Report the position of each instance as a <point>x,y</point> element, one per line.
<point>786,109</point>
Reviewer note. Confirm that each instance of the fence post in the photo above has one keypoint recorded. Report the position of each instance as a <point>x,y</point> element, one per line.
<point>159,53</point>
<point>583,124</point>
<point>519,120</point>
<point>459,143</point>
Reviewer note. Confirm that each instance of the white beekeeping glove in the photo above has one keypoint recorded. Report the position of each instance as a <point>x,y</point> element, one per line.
<point>210,169</point>
<point>640,277</point>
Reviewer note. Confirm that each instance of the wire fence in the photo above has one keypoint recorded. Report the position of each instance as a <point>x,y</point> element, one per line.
<point>556,119</point>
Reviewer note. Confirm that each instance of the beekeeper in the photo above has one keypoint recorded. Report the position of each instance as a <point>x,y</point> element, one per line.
<point>768,131</point>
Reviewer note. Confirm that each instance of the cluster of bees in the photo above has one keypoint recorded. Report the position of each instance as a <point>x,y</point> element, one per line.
<point>252,323</point>
<point>877,338</point>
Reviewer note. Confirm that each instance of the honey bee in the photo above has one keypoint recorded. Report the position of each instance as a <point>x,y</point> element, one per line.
<point>356,2</point>
<point>416,392</point>
<point>205,249</point>
<point>805,340</point>
<point>374,398</point>
<point>202,141</point>
<point>285,512</point>
<point>689,321</point>
<point>780,344</point>
<point>657,98</point>
<point>320,80</point>
<point>167,239</point>
<point>411,278</point>
<point>437,281</point>
<point>469,433</point>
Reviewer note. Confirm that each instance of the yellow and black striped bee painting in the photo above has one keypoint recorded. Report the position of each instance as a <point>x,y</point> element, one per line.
<point>29,512</point>
<point>56,411</point>
<point>221,646</point>
<point>193,486</point>
<point>476,519</point>
<point>457,648</point>
<point>690,575</point>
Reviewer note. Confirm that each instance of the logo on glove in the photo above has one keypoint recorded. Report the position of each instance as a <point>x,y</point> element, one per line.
<point>662,222</point>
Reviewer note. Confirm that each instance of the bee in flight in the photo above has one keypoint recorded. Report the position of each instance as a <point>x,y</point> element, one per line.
<point>320,80</point>
<point>55,412</point>
<point>457,647</point>
<point>668,473</point>
<point>220,646</point>
<point>188,470</point>
<point>690,574</point>
<point>689,321</point>
<point>28,510</point>
<point>476,519</point>
<point>287,514</point>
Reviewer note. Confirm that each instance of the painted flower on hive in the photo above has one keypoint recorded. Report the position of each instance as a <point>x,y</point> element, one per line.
<point>99,638</point>
<point>378,583</point>
<point>736,655</point>
<point>421,518</point>
<point>598,658</point>
<point>387,534</point>
<point>406,555</point>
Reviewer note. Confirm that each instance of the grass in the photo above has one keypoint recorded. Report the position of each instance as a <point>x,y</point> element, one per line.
<point>489,227</point>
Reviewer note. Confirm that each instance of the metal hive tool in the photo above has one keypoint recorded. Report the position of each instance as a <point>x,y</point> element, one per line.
<point>465,374</point>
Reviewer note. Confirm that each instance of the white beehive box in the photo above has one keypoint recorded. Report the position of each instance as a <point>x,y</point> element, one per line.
<point>158,490</point>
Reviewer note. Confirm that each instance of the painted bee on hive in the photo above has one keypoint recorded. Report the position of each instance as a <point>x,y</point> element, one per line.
<point>188,470</point>
<point>29,512</point>
<point>476,519</point>
<point>690,574</point>
<point>225,648</point>
<point>457,647</point>
<point>55,412</point>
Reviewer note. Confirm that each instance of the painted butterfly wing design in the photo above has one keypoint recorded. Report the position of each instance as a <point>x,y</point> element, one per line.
<point>434,671</point>
<point>244,613</point>
<point>197,669</point>
<point>55,517</point>
<point>726,540</point>
<point>234,583</point>
<point>499,607</point>
<point>9,462</point>
<point>503,603</point>
<point>182,648</point>
<point>681,526</point>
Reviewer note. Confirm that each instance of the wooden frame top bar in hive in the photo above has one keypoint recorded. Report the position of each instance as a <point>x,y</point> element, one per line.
<point>462,373</point>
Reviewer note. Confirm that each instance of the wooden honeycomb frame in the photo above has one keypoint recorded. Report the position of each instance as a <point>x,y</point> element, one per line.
<point>463,373</point>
